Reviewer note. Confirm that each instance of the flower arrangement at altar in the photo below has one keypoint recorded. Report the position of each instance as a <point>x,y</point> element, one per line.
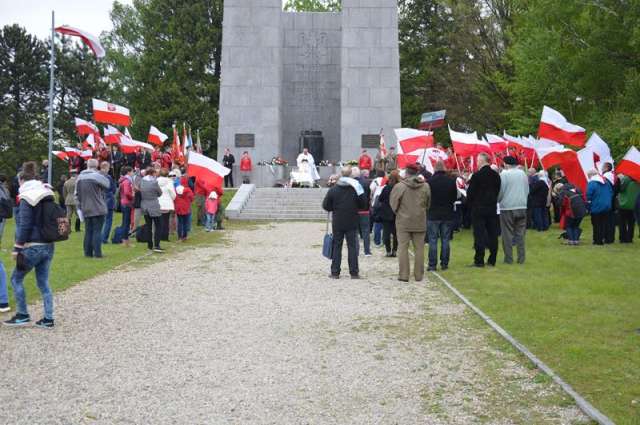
<point>277,160</point>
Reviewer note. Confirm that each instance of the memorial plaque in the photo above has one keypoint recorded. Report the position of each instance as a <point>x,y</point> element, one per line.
<point>370,141</point>
<point>245,140</point>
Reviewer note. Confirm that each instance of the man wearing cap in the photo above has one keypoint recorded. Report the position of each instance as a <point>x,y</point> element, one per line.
<point>514,190</point>
<point>410,199</point>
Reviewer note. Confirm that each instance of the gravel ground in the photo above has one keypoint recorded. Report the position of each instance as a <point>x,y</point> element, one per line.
<point>253,332</point>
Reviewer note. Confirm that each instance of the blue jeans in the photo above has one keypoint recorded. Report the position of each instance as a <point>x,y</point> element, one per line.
<point>377,233</point>
<point>93,236</point>
<point>126,222</point>
<point>210,221</point>
<point>38,257</point>
<point>365,228</point>
<point>184,222</point>
<point>4,292</point>
<point>439,230</point>
<point>572,227</point>
<point>106,228</point>
<point>540,219</point>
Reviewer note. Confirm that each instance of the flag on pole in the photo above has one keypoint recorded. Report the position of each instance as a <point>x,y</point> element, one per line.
<point>410,140</point>
<point>89,143</point>
<point>630,164</point>
<point>186,140</point>
<point>600,149</point>
<point>198,144</point>
<point>86,154</point>
<point>60,155</point>
<point>383,146</point>
<point>85,127</point>
<point>89,39</point>
<point>430,120</point>
<point>496,143</point>
<point>208,170</point>
<point>109,113</point>
<point>554,126</point>
<point>156,137</point>
<point>468,144</point>
<point>112,136</point>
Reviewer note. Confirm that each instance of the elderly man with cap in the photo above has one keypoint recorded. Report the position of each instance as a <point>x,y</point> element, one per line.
<point>514,190</point>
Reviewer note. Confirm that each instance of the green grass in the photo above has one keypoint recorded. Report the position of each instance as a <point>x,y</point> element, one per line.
<point>576,308</point>
<point>70,267</point>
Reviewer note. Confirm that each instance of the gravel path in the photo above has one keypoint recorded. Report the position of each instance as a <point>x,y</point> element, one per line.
<point>253,332</point>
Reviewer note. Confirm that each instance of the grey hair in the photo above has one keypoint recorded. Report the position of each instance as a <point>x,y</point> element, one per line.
<point>346,171</point>
<point>592,173</point>
<point>92,164</point>
<point>355,172</point>
<point>485,157</point>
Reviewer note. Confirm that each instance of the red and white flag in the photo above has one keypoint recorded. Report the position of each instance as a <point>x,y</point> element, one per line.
<point>468,144</point>
<point>383,146</point>
<point>89,142</point>
<point>71,152</point>
<point>85,127</point>
<point>497,143</point>
<point>410,140</point>
<point>206,169</point>
<point>156,137</point>
<point>112,136</point>
<point>86,154</point>
<point>89,39</point>
<point>600,149</point>
<point>60,155</point>
<point>109,113</point>
<point>551,153</point>
<point>630,164</point>
<point>554,126</point>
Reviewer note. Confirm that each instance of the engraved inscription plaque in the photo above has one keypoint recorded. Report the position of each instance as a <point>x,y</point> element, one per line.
<point>370,141</point>
<point>245,140</point>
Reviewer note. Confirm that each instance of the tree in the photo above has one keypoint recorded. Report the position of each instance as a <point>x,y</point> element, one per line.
<point>23,106</point>
<point>312,5</point>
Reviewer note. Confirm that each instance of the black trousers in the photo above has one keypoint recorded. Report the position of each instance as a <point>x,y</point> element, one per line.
<point>610,227</point>
<point>352,250</point>
<point>388,230</point>
<point>599,222</point>
<point>153,231</point>
<point>485,236</point>
<point>627,225</point>
<point>228,180</point>
<point>164,226</point>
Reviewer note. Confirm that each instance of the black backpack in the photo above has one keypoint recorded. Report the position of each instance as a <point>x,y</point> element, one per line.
<point>578,206</point>
<point>6,206</point>
<point>54,224</point>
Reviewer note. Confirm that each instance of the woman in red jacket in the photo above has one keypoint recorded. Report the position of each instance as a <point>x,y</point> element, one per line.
<point>245,167</point>
<point>126,200</point>
<point>184,198</point>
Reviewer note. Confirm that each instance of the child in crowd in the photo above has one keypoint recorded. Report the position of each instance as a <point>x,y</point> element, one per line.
<point>184,198</point>
<point>211,208</point>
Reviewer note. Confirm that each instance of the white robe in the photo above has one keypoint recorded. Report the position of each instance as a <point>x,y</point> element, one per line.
<point>312,165</point>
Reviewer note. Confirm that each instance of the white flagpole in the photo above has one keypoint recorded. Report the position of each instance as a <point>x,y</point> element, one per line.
<point>51,86</point>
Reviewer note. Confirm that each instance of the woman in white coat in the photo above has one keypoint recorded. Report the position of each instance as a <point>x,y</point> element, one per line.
<point>166,202</point>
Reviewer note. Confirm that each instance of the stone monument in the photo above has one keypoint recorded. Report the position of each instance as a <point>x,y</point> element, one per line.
<point>288,72</point>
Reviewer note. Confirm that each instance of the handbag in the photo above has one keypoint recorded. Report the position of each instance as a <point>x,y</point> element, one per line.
<point>327,243</point>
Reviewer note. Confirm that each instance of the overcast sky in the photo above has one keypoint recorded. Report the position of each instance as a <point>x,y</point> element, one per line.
<point>35,15</point>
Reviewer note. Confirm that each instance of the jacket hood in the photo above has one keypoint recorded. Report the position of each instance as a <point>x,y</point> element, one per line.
<point>597,178</point>
<point>414,182</point>
<point>34,191</point>
<point>123,178</point>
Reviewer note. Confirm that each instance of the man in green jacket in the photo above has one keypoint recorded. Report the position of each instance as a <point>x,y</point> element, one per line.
<point>627,197</point>
<point>410,199</point>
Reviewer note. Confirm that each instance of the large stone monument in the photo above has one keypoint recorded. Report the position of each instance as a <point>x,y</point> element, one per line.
<point>287,72</point>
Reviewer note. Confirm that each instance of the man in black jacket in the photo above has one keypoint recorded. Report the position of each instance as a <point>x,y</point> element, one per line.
<point>444,194</point>
<point>344,200</point>
<point>482,198</point>
<point>228,160</point>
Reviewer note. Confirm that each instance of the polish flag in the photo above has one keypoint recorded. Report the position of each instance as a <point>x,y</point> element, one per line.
<point>112,136</point>
<point>383,146</point>
<point>109,113</point>
<point>467,144</point>
<point>85,127</point>
<point>156,137</point>
<point>630,164</point>
<point>86,154</point>
<point>206,169</point>
<point>71,152</point>
<point>575,165</point>
<point>60,155</point>
<point>89,39</point>
<point>551,153</point>
<point>555,127</point>
<point>600,149</point>
<point>497,143</point>
<point>411,140</point>
<point>89,142</point>
<point>402,160</point>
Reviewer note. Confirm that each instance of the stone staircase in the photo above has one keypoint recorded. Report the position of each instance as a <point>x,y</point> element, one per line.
<point>280,204</point>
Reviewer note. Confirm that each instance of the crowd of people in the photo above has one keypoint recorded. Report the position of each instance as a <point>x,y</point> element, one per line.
<point>152,192</point>
<point>413,206</point>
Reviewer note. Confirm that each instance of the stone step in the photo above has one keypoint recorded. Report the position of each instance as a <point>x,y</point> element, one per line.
<point>280,217</point>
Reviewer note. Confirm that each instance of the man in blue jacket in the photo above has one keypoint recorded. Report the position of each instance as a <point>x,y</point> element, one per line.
<point>30,250</point>
<point>599,198</point>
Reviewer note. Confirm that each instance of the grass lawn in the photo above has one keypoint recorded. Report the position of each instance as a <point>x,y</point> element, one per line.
<point>70,267</point>
<point>576,308</point>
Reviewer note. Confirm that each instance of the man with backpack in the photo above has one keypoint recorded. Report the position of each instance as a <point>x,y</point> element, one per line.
<point>573,209</point>
<point>40,222</point>
<point>90,188</point>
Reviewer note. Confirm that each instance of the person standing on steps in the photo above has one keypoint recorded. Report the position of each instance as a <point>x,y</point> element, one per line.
<point>482,199</point>
<point>344,200</point>
<point>228,160</point>
<point>410,200</point>
<point>514,191</point>
<point>245,167</point>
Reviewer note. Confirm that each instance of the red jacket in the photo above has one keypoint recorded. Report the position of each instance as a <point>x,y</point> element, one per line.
<point>156,156</point>
<point>183,202</point>
<point>126,191</point>
<point>365,162</point>
<point>167,161</point>
<point>245,164</point>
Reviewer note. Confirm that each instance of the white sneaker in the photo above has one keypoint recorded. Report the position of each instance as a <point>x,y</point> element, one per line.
<point>4,308</point>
